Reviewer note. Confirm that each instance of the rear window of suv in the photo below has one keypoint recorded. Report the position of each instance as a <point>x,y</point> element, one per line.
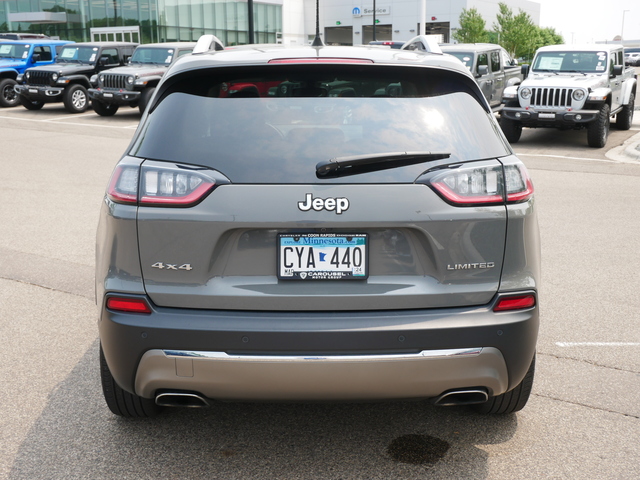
<point>273,124</point>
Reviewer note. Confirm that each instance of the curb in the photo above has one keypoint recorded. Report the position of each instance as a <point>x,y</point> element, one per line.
<point>628,152</point>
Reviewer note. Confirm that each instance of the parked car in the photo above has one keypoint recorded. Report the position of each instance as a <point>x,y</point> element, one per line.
<point>22,36</point>
<point>67,80</point>
<point>296,243</point>
<point>17,56</point>
<point>388,43</point>
<point>632,59</point>
<point>133,84</point>
<point>491,65</point>
<point>572,87</point>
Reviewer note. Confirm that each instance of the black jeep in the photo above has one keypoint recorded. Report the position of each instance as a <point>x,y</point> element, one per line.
<point>67,80</point>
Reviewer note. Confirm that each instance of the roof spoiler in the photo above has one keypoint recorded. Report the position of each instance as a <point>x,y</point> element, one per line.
<point>206,43</point>
<point>423,43</point>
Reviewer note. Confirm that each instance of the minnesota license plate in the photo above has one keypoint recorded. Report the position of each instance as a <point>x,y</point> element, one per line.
<point>322,256</point>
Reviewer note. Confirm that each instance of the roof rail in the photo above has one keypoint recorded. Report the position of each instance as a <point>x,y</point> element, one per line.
<point>207,43</point>
<point>423,43</point>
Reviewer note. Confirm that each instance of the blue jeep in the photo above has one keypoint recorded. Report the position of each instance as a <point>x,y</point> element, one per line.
<point>17,56</point>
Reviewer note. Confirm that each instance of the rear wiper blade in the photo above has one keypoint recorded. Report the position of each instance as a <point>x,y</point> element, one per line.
<point>357,164</point>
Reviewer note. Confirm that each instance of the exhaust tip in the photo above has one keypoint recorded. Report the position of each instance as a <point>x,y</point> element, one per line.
<point>181,399</point>
<point>468,396</point>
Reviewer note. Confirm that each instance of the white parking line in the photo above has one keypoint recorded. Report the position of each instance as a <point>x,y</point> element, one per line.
<point>598,344</point>
<point>565,157</point>
<point>67,117</point>
<point>132,126</point>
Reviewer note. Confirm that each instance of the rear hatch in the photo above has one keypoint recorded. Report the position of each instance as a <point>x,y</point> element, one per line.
<point>321,189</point>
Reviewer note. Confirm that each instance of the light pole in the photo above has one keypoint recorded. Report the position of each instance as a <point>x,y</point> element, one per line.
<point>624,12</point>
<point>252,38</point>
<point>374,20</point>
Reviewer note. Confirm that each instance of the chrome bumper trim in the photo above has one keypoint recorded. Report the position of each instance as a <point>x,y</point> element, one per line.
<point>456,352</point>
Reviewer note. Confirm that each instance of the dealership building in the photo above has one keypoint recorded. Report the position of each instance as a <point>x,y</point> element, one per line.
<point>342,22</point>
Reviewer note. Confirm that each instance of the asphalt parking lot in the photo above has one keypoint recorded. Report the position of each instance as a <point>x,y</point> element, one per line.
<point>583,419</point>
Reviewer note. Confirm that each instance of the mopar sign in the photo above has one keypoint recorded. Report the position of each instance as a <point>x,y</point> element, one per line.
<point>359,12</point>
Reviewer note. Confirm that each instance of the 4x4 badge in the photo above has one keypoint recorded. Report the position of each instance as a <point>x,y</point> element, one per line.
<point>339,204</point>
<point>172,266</point>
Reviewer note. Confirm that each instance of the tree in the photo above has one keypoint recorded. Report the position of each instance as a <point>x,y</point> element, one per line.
<point>517,34</point>
<point>549,36</point>
<point>472,27</point>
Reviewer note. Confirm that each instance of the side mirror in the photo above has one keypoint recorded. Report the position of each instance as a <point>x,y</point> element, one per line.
<point>35,58</point>
<point>617,70</point>
<point>483,70</point>
<point>104,61</point>
<point>525,70</point>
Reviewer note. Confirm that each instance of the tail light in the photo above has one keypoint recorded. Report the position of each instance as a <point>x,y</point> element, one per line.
<point>169,186</point>
<point>471,185</point>
<point>517,302</point>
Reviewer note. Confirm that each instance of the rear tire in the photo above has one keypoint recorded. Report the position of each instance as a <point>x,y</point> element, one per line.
<point>513,400</point>
<point>104,109</point>
<point>624,118</point>
<point>8,96</point>
<point>76,99</point>
<point>121,402</point>
<point>598,130</point>
<point>30,104</point>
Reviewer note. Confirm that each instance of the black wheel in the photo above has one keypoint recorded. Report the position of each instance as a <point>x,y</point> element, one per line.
<point>104,109</point>
<point>513,400</point>
<point>30,104</point>
<point>511,129</point>
<point>144,98</point>
<point>598,130</point>
<point>76,99</point>
<point>8,96</point>
<point>122,402</point>
<point>625,116</point>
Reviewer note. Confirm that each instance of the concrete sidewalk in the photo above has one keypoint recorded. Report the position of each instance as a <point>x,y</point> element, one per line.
<point>629,151</point>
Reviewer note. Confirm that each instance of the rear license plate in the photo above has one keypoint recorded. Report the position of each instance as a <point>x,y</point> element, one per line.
<point>547,116</point>
<point>322,256</point>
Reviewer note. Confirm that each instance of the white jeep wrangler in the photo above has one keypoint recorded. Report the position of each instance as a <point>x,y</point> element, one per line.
<point>572,87</point>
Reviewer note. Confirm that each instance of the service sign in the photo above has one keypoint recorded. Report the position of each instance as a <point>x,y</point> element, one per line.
<point>322,256</point>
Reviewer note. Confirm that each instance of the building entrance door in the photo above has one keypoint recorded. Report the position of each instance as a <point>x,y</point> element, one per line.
<point>338,36</point>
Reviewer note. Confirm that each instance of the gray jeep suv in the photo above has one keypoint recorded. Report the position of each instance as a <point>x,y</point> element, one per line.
<point>317,223</point>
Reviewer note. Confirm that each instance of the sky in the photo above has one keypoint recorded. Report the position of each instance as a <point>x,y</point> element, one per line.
<point>589,21</point>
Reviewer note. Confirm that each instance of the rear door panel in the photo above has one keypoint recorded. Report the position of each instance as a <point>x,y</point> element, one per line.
<point>222,253</point>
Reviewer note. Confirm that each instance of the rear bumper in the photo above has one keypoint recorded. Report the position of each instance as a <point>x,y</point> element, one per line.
<point>221,376</point>
<point>319,356</point>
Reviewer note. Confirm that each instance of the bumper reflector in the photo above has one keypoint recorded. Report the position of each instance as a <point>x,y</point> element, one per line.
<point>129,305</point>
<point>515,303</point>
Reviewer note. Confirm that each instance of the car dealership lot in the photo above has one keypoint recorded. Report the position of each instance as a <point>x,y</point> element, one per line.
<point>583,419</point>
